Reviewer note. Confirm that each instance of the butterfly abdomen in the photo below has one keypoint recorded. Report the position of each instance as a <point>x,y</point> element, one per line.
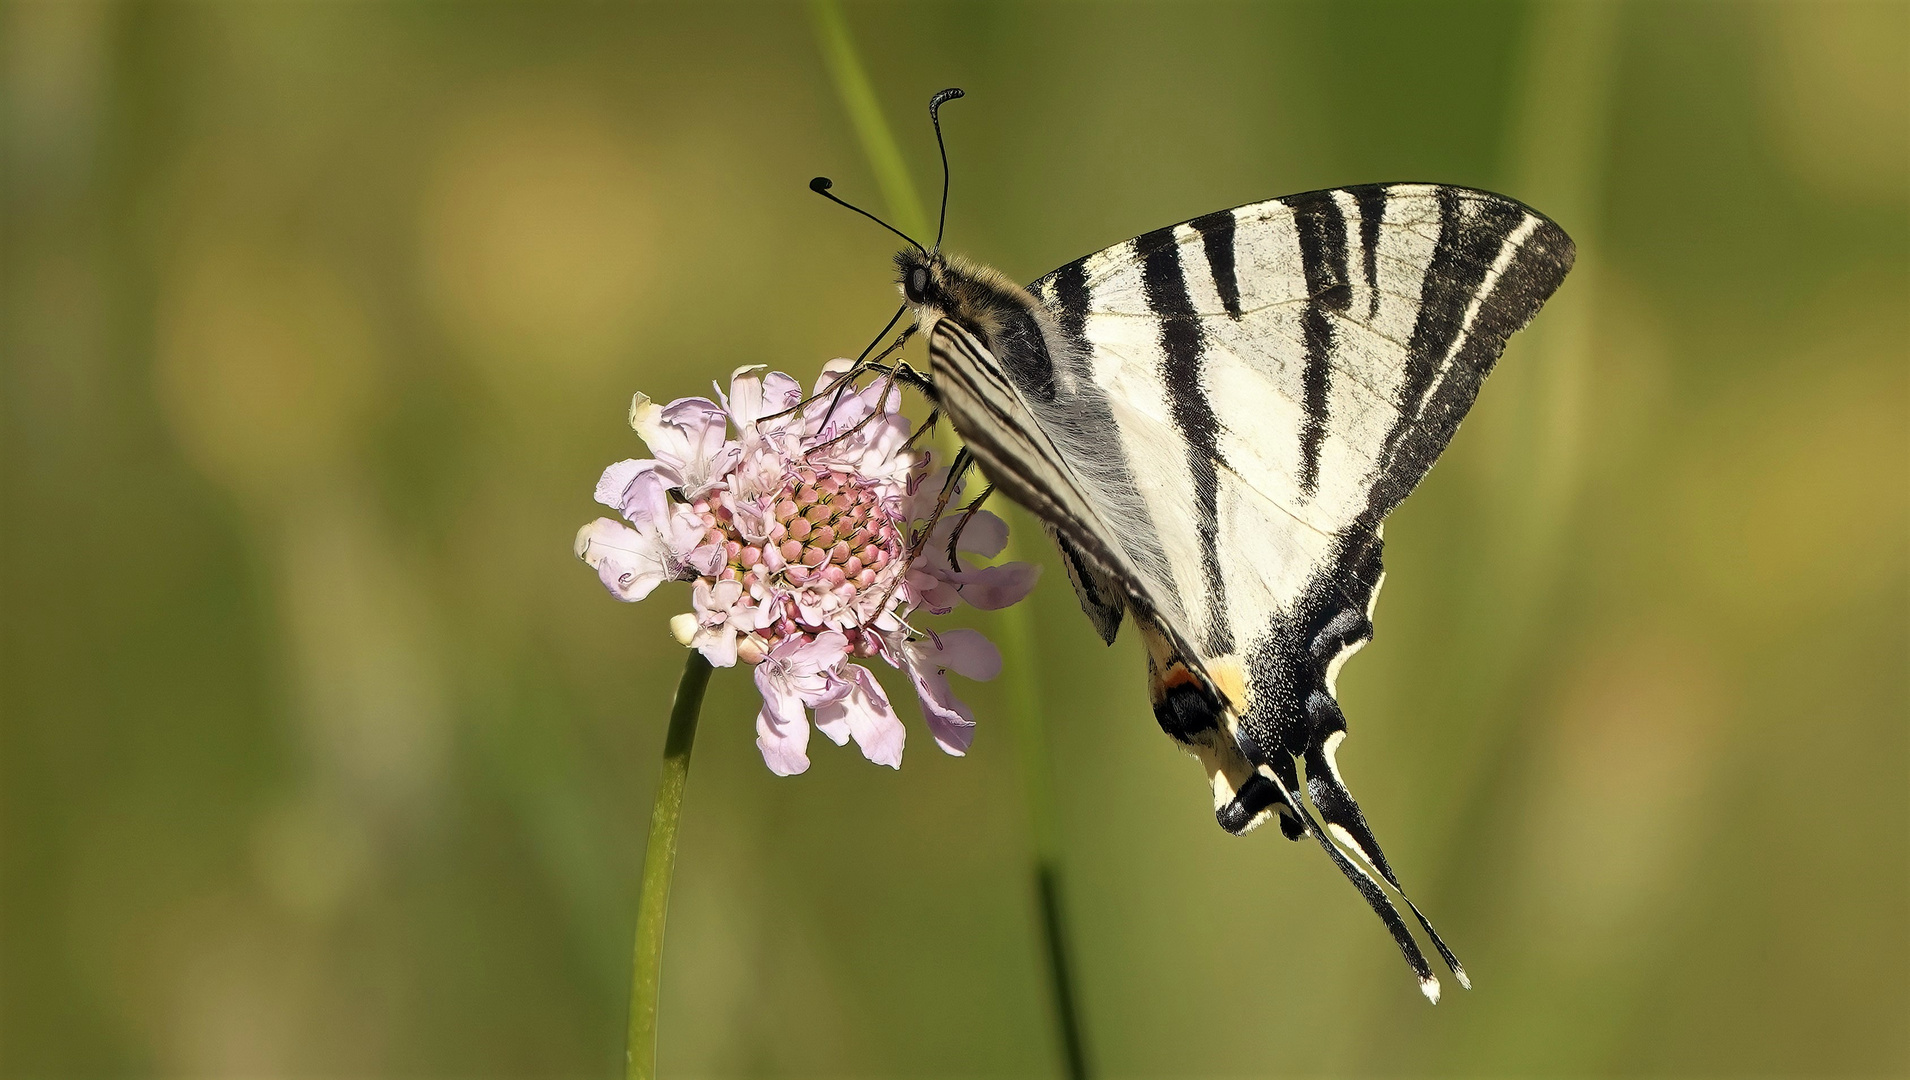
<point>1184,706</point>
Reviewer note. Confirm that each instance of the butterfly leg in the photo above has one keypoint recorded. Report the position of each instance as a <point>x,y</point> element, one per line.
<point>844,380</point>
<point>961,523</point>
<point>906,374</point>
<point>1342,814</point>
<point>927,426</point>
<point>957,472</point>
<point>862,365</point>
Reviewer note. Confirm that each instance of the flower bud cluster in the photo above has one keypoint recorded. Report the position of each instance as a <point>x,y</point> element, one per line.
<point>831,547</point>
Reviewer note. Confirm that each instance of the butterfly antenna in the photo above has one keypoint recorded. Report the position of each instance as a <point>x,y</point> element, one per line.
<point>934,117</point>
<point>877,340</point>
<point>821,185</point>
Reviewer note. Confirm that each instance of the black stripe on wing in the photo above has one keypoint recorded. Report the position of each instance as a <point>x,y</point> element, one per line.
<point>1371,200</point>
<point>1217,239</point>
<point>1447,359</point>
<point>1320,226</point>
<point>1067,296</point>
<point>1103,599</point>
<point>1183,352</point>
<point>1014,451</point>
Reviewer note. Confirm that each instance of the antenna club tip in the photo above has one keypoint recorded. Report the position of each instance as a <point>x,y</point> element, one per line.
<point>943,97</point>
<point>821,184</point>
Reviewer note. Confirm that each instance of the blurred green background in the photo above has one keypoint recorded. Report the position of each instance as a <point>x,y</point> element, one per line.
<point>324,757</point>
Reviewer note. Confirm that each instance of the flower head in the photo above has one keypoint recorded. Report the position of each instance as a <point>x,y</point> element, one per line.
<point>812,539</point>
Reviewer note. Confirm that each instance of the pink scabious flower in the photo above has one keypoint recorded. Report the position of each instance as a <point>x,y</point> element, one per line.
<point>814,538</point>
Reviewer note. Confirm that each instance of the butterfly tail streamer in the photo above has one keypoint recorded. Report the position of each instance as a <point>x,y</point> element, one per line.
<point>1348,825</point>
<point>1342,813</point>
<point>1369,889</point>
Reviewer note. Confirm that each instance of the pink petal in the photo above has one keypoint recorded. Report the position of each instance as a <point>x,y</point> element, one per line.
<point>994,587</point>
<point>762,466</point>
<point>664,440</point>
<point>932,592</point>
<point>865,714</point>
<point>948,718</point>
<point>718,645</point>
<point>783,743</point>
<point>722,462</point>
<point>687,437</point>
<point>830,372</point>
<point>616,480</point>
<point>965,652</point>
<point>626,561</point>
<point>642,499</point>
<point>754,394</point>
<point>744,402</point>
<point>768,612</point>
<point>753,518</point>
<point>725,594</point>
<point>780,701</point>
<point>686,533</point>
<point>706,560</point>
<point>703,602</point>
<point>984,535</point>
<point>830,415</point>
<point>822,654</point>
<point>926,493</point>
<point>780,392</point>
<point>702,422</point>
<point>832,720</point>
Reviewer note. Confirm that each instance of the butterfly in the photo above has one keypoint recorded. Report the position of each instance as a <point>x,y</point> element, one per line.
<point>1212,420</point>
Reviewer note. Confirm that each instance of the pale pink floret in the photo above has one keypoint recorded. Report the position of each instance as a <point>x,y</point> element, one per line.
<point>633,561</point>
<point>965,652</point>
<point>687,436</point>
<point>937,585</point>
<point>723,610</point>
<point>756,393</point>
<point>797,675</point>
<point>804,537</point>
<point>767,446</point>
<point>864,714</point>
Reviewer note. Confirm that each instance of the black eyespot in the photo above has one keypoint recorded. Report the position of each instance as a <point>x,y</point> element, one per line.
<point>917,285</point>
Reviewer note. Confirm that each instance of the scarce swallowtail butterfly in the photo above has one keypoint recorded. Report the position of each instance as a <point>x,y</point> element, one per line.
<point>1213,420</point>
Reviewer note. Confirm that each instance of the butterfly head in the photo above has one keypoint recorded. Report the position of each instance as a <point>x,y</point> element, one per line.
<point>1005,317</point>
<point>983,301</point>
<point>923,275</point>
<point>936,284</point>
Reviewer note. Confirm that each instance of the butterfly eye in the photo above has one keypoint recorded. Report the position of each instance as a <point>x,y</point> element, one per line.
<point>918,285</point>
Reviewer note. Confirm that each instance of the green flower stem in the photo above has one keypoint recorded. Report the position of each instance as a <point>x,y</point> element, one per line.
<point>1014,625</point>
<point>659,865</point>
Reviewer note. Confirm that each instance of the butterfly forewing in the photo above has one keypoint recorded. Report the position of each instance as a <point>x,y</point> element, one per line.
<point>1285,372</point>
